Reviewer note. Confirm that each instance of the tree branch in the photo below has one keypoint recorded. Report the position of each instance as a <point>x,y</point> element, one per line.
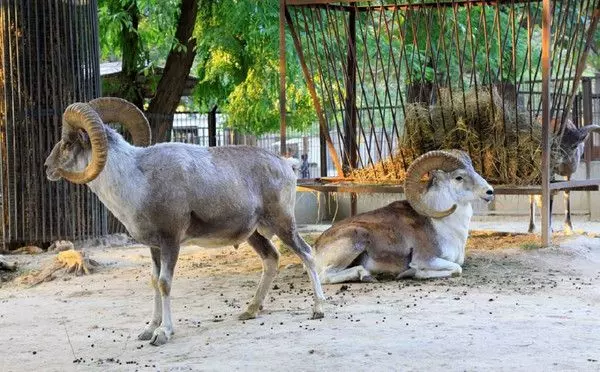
<point>177,68</point>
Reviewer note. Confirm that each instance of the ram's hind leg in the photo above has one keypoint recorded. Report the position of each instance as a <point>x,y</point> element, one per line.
<point>532,203</point>
<point>339,260</point>
<point>270,260</point>
<point>290,237</point>
<point>568,226</point>
<point>157,311</point>
<point>351,274</point>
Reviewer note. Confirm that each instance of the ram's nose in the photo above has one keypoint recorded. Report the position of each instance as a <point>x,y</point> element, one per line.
<point>489,195</point>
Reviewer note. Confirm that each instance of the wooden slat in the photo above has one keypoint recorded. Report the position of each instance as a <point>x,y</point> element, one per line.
<point>329,185</point>
<point>570,185</point>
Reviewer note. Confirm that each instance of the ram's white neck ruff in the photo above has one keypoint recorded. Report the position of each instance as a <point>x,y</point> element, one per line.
<point>452,231</point>
<point>114,184</point>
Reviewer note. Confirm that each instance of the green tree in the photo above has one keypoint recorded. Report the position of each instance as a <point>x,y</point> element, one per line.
<point>234,50</point>
<point>239,68</point>
<point>142,31</point>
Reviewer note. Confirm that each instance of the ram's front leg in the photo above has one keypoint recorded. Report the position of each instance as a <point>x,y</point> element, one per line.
<point>568,226</point>
<point>148,331</point>
<point>436,268</point>
<point>168,258</point>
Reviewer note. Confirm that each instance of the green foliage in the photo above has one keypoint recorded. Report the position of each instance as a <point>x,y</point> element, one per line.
<point>237,53</point>
<point>239,68</point>
<point>156,28</point>
<point>237,57</point>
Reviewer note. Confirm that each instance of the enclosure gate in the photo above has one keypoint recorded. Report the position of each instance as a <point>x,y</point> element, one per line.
<point>48,59</point>
<point>393,80</point>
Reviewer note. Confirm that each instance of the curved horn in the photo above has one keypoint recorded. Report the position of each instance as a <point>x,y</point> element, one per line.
<point>443,160</point>
<point>585,131</point>
<point>118,110</point>
<point>82,116</point>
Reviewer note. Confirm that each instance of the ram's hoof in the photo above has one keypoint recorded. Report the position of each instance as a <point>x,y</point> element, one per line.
<point>317,315</point>
<point>250,312</point>
<point>147,333</point>
<point>246,315</point>
<point>368,279</point>
<point>160,336</point>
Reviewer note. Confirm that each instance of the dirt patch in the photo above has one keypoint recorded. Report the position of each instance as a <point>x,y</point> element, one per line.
<point>513,308</point>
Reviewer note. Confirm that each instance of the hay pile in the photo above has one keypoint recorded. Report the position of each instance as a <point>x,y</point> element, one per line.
<point>503,144</point>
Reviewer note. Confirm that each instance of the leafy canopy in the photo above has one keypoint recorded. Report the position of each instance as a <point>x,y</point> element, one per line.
<point>237,57</point>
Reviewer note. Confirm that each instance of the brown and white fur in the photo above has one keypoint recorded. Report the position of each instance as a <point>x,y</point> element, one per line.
<point>398,240</point>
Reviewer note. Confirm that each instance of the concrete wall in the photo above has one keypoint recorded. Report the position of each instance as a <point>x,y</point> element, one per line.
<point>318,207</point>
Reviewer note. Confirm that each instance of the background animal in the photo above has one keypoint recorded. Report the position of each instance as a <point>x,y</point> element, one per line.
<point>170,193</point>
<point>423,236</point>
<point>564,161</point>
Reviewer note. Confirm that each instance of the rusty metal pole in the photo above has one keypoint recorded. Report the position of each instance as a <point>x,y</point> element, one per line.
<point>282,76</point>
<point>586,87</point>
<point>546,41</point>
<point>350,158</point>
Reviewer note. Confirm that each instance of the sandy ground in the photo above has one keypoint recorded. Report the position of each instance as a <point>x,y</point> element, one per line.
<point>516,307</point>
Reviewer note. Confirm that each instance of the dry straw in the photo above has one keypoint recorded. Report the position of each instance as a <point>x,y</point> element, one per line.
<point>503,143</point>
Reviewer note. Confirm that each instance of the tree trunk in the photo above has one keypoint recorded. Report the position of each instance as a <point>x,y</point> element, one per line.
<point>129,88</point>
<point>172,83</point>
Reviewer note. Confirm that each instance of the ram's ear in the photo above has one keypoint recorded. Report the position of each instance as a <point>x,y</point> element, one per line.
<point>83,139</point>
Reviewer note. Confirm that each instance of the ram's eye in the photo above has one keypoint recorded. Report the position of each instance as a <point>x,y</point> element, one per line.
<point>459,178</point>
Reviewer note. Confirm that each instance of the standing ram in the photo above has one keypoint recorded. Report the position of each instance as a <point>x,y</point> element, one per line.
<point>170,193</point>
<point>421,237</point>
<point>564,160</point>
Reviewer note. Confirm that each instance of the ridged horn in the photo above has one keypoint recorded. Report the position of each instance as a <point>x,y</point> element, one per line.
<point>82,116</point>
<point>585,131</point>
<point>118,110</point>
<point>442,160</point>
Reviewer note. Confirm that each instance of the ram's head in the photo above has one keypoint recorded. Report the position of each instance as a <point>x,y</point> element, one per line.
<point>568,150</point>
<point>82,151</point>
<point>452,174</point>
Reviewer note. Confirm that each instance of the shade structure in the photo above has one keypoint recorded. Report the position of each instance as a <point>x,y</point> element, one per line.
<point>392,80</point>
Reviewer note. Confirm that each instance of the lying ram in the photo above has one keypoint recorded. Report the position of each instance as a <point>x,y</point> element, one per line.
<point>170,193</point>
<point>565,159</point>
<point>422,237</point>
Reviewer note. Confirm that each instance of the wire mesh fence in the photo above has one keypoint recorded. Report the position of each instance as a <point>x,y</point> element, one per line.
<point>403,78</point>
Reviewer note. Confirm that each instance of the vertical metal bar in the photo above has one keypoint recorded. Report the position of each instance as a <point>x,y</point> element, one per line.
<point>3,163</point>
<point>586,87</point>
<point>212,127</point>
<point>350,117</point>
<point>282,78</point>
<point>546,38</point>
<point>595,144</point>
<point>322,151</point>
